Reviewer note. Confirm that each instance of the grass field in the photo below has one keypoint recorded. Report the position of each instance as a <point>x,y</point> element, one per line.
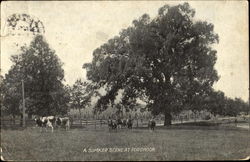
<point>175,143</point>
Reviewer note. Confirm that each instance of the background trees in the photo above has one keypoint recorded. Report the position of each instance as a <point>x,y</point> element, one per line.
<point>216,103</point>
<point>167,59</point>
<point>234,107</point>
<point>10,98</point>
<point>81,93</point>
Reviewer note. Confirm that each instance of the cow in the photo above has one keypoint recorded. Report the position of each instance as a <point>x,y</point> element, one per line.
<point>119,123</point>
<point>63,122</point>
<point>151,124</point>
<point>124,123</point>
<point>46,121</point>
<point>112,124</point>
<point>129,123</point>
<point>39,122</point>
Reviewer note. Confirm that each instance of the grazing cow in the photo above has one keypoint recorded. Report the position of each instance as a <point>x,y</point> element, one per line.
<point>129,123</point>
<point>119,123</point>
<point>124,123</point>
<point>63,122</point>
<point>39,122</point>
<point>151,124</point>
<point>47,121</point>
<point>112,124</point>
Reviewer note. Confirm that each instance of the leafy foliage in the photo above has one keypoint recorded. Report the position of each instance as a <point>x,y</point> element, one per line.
<point>10,98</point>
<point>167,60</point>
<point>218,104</point>
<point>81,93</point>
<point>42,72</point>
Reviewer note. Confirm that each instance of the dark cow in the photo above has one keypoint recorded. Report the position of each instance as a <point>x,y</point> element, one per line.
<point>112,124</point>
<point>129,123</point>
<point>63,122</point>
<point>151,124</point>
<point>119,123</point>
<point>124,123</point>
<point>39,122</point>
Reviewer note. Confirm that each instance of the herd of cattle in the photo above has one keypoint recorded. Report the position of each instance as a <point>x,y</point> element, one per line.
<point>53,122</point>
<point>65,122</point>
<point>119,123</point>
<point>127,123</point>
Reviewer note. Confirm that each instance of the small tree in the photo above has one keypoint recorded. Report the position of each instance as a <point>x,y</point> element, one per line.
<point>81,93</point>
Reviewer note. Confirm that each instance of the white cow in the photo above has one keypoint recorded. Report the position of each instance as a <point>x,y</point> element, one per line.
<point>49,121</point>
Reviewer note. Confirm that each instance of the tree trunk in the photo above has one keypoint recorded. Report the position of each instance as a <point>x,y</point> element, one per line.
<point>21,120</point>
<point>195,117</point>
<point>29,116</point>
<point>14,119</point>
<point>168,119</point>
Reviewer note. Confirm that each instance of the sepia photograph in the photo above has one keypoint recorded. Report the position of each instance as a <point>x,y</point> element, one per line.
<point>124,80</point>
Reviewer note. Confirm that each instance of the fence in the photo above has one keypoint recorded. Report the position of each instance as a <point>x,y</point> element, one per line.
<point>76,123</point>
<point>11,123</point>
<point>83,123</point>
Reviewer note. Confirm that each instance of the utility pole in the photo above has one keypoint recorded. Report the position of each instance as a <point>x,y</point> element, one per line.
<point>248,107</point>
<point>23,103</point>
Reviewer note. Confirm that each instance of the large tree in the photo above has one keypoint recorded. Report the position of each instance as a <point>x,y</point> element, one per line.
<point>166,61</point>
<point>41,70</point>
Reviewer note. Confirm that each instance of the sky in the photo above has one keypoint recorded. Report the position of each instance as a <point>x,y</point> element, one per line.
<point>75,29</point>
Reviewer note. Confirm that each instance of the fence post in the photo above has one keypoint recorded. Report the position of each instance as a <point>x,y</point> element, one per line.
<point>137,122</point>
<point>81,123</point>
<point>95,124</point>
<point>23,109</point>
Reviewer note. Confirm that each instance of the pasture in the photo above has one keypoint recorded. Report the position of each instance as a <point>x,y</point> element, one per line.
<point>172,143</point>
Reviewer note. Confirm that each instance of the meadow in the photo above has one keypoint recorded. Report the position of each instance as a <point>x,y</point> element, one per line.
<point>172,143</point>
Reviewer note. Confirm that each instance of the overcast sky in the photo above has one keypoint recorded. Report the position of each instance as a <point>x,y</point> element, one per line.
<point>75,29</point>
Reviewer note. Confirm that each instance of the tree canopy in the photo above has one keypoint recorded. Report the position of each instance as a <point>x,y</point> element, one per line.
<point>41,70</point>
<point>81,94</point>
<point>167,61</point>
